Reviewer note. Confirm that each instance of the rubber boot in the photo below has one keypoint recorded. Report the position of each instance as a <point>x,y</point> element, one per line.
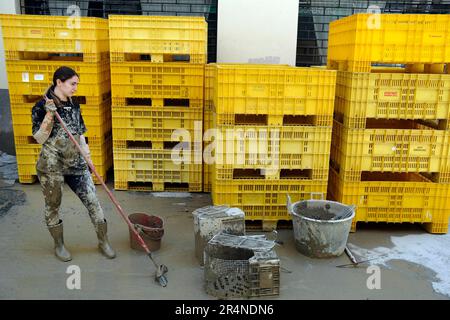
<point>103,243</point>
<point>60,251</point>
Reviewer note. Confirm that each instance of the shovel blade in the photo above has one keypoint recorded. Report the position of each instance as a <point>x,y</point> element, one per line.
<point>160,275</point>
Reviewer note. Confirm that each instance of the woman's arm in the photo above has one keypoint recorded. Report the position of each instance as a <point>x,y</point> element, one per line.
<point>43,124</point>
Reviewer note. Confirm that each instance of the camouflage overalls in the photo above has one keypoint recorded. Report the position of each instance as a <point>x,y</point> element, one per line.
<point>60,161</point>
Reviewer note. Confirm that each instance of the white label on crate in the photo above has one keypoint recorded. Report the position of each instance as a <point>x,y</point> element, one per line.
<point>63,34</point>
<point>38,77</point>
<point>25,77</point>
<point>78,45</point>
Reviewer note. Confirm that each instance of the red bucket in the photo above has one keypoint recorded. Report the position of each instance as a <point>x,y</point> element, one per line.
<point>150,228</point>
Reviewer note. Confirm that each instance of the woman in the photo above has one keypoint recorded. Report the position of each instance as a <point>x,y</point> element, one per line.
<point>60,160</point>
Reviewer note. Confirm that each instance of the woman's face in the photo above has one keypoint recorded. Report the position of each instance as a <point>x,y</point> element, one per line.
<point>68,87</point>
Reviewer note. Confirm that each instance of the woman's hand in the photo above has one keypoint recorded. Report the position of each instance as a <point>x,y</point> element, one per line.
<point>50,106</point>
<point>47,123</point>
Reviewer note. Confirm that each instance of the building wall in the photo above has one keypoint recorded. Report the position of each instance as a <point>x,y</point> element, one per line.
<point>6,7</point>
<point>257,31</point>
<point>6,130</point>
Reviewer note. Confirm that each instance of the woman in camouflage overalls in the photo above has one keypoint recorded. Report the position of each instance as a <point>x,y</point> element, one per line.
<point>60,161</point>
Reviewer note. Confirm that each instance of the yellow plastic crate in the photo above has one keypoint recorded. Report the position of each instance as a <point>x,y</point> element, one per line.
<point>209,85</point>
<point>207,177</point>
<point>96,118</point>
<point>100,130</point>
<point>105,154</point>
<point>22,123</point>
<point>153,163</point>
<point>158,80</point>
<point>33,33</point>
<point>156,103</point>
<point>411,148</point>
<point>28,154</point>
<point>208,96</point>
<point>92,141</point>
<point>360,96</point>
<point>396,198</point>
<point>93,131</point>
<point>56,56</point>
<point>159,37</point>
<point>93,100</point>
<point>223,119</point>
<point>27,174</point>
<point>102,171</point>
<point>155,124</point>
<point>102,151</point>
<point>28,101</point>
<point>355,42</point>
<point>265,200</point>
<point>27,150</point>
<point>207,124</point>
<point>34,77</point>
<point>101,155</point>
<point>273,147</point>
<point>228,173</point>
<point>123,184</point>
<point>207,119</point>
<point>27,179</point>
<point>273,90</point>
<point>210,75</point>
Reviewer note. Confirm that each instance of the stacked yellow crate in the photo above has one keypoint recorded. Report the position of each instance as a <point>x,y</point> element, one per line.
<point>208,122</point>
<point>157,76</point>
<point>273,137</point>
<point>391,145</point>
<point>34,48</point>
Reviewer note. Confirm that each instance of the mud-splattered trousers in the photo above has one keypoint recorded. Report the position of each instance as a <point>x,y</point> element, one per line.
<point>60,161</point>
<point>82,185</point>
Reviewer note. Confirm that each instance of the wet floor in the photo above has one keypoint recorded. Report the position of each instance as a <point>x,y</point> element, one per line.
<point>29,269</point>
<point>10,198</point>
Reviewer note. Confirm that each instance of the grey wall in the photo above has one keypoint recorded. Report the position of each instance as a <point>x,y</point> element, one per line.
<point>6,7</point>
<point>6,130</point>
